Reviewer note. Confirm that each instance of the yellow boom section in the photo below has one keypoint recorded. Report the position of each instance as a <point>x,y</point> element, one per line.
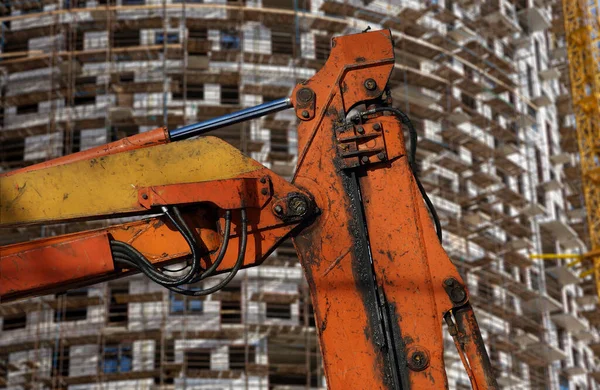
<point>109,185</point>
<point>581,29</point>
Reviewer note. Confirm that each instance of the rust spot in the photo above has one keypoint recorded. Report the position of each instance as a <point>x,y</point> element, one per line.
<point>158,224</point>
<point>374,93</point>
<point>332,111</point>
<point>65,196</point>
<point>360,59</point>
<point>336,262</point>
<point>324,321</point>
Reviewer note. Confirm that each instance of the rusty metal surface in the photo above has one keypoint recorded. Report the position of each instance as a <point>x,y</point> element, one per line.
<point>379,279</point>
<point>373,261</point>
<point>334,251</point>
<point>471,343</point>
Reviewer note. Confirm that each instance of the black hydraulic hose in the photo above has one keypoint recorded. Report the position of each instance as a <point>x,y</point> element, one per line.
<point>124,253</point>
<point>124,250</point>
<point>128,255</point>
<point>222,250</point>
<point>234,270</point>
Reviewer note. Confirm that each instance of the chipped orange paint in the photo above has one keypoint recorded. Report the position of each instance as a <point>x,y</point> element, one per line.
<point>327,248</point>
<point>404,262</point>
<point>373,247</point>
<point>470,341</point>
<point>409,264</point>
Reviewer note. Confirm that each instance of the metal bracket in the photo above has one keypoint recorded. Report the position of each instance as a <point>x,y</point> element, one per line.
<point>305,104</point>
<point>456,292</point>
<point>293,206</point>
<point>227,194</point>
<point>361,144</point>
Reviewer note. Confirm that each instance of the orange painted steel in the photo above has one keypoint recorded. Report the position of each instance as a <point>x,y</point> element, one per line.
<point>380,281</point>
<point>143,140</point>
<point>470,342</point>
<point>341,289</point>
<point>377,275</point>
<point>67,260</point>
<point>226,194</point>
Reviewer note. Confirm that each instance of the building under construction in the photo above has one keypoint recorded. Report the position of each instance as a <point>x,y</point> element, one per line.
<point>486,84</point>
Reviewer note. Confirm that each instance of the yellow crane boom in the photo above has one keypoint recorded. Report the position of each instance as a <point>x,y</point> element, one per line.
<point>581,31</point>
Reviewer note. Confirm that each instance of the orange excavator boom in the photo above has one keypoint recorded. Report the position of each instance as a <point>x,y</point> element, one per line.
<point>380,281</point>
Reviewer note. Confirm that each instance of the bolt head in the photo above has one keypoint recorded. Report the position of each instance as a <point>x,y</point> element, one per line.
<point>301,209</point>
<point>145,196</point>
<point>305,95</point>
<point>370,84</point>
<point>263,180</point>
<point>278,209</point>
<point>376,127</point>
<point>365,159</point>
<point>458,294</point>
<point>418,360</point>
<point>305,114</point>
<point>264,191</point>
<point>360,130</point>
<point>298,206</point>
<point>449,282</point>
<point>381,156</point>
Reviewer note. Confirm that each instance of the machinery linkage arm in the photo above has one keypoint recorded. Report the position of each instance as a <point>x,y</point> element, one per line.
<point>380,282</point>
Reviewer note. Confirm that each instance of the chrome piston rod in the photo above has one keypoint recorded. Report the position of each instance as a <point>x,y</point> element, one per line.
<point>229,119</point>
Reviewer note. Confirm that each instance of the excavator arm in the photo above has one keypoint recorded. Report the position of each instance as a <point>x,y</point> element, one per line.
<point>380,281</point>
